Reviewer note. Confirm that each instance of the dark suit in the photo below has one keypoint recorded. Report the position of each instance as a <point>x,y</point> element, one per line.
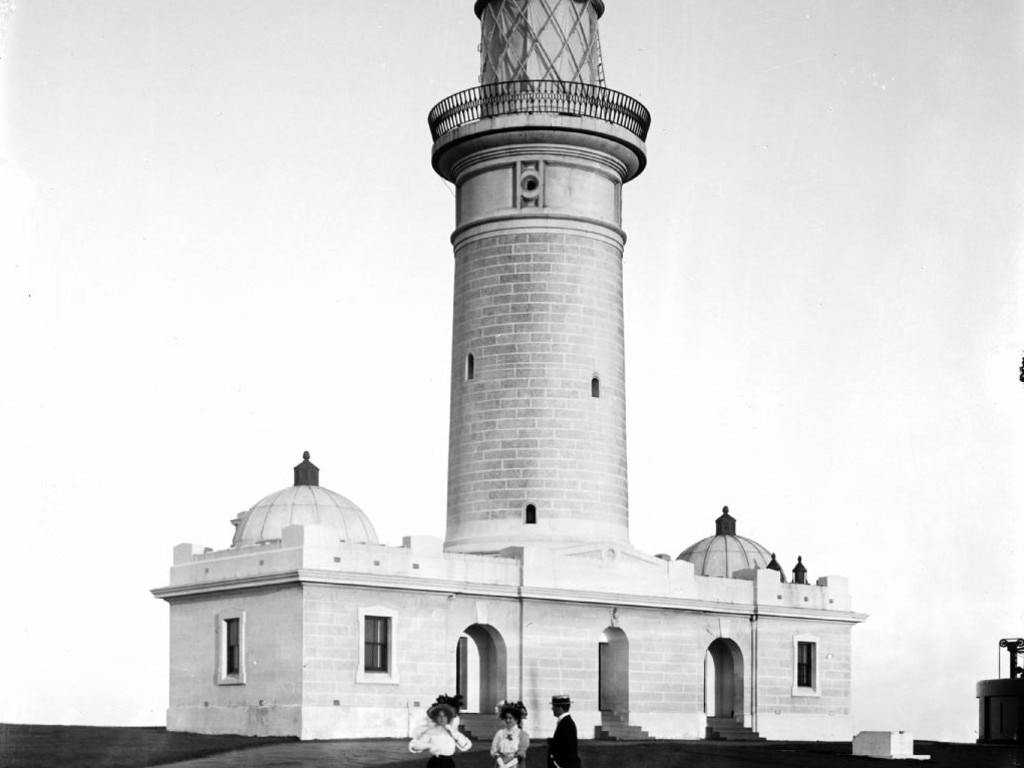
<point>562,746</point>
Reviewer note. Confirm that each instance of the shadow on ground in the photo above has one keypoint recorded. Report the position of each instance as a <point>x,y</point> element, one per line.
<point>38,746</point>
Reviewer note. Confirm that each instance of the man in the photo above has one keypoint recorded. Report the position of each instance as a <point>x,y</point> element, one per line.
<point>562,746</point>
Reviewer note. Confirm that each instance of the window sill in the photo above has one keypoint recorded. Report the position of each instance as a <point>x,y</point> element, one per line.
<point>805,692</point>
<point>377,678</point>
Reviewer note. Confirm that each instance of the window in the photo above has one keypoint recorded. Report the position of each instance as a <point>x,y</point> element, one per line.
<point>805,666</point>
<point>595,387</point>
<point>376,635</point>
<point>531,514</point>
<point>233,646</point>
<point>469,367</point>
<point>230,647</point>
<point>378,641</point>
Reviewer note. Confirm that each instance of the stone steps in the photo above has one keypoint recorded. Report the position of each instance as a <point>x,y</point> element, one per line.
<point>727,729</point>
<point>479,726</point>
<point>615,727</point>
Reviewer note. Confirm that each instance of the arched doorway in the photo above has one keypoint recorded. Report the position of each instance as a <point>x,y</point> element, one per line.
<point>613,671</point>
<point>481,671</point>
<point>723,680</point>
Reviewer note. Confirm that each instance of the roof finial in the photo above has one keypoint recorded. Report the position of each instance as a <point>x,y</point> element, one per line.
<point>307,473</point>
<point>799,571</point>
<point>725,525</point>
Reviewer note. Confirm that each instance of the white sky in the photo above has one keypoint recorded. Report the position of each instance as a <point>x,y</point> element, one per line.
<point>223,244</point>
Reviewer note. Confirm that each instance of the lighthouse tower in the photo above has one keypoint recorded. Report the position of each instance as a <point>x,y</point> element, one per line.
<point>538,154</point>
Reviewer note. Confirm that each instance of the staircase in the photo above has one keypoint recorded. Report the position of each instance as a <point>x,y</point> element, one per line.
<point>615,727</point>
<point>727,729</point>
<point>479,727</point>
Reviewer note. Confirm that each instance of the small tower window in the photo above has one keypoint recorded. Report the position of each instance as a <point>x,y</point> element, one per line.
<point>469,367</point>
<point>595,387</point>
<point>531,514</point>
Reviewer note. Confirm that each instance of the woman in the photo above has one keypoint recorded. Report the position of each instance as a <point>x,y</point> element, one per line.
<point>442,738</point>
<point>511,742</point>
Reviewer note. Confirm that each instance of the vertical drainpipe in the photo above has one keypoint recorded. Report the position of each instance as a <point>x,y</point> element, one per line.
<point>522,628</point>
<point>753,660</point>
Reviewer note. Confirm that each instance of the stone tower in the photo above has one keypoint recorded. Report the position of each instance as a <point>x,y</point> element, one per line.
<point>538,154</point>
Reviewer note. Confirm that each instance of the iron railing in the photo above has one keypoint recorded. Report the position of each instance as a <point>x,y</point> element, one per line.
<point>554,97</point>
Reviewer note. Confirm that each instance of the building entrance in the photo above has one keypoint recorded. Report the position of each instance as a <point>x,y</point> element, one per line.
<point>723,680</point>
<point>613,671</point>
<point>481,668</point>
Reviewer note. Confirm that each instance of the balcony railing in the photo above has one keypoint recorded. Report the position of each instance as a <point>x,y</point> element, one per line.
<point>554,97</point>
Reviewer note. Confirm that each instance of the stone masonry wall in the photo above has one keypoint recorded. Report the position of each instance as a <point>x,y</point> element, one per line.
<point>268,703</point>
<point>541,314</point>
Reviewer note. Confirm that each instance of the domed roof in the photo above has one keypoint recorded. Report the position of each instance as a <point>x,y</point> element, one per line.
<point>304,503</point>
<point>725,553</point>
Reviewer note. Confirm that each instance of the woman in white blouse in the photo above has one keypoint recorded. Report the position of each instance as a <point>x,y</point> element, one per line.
<point>511,742</point>
<point>441,738</point>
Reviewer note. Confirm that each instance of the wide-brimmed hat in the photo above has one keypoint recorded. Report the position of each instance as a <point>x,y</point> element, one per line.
<point>515,708</point>
<point>450,705</point>
<point>436,709</point>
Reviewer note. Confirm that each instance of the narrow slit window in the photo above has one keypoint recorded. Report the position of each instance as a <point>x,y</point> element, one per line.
<point>595,387</point>
<point>531,514</point>
<point>469,367</point>
<point>232,647</point>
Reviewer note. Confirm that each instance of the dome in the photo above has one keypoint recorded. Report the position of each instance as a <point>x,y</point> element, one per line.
<point>304,503</point>
<point>725,553</point>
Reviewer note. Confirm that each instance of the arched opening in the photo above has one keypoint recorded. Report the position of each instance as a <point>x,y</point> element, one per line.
<point>531,514</point>
<point>470,372</point>
<point>723,680</point>
<point>481,668</point>
<point>613,671</point>
<point>595,387</point>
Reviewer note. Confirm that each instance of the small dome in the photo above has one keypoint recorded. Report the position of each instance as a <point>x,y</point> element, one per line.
<point>725,553</point>
<point>305,503</point>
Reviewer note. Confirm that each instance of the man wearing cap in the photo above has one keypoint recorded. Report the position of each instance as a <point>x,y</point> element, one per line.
<point>562,746</point>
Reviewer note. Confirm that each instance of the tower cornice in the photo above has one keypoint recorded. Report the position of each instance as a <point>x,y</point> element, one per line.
<point>540,112</point>
<point>625,151</point>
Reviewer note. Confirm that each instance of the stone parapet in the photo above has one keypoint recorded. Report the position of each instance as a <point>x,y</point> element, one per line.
<point>593,573</point>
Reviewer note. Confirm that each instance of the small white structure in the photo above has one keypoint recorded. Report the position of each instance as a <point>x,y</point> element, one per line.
<point>891,745</point>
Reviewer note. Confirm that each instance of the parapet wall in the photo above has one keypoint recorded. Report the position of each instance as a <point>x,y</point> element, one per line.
<point>588,573</point>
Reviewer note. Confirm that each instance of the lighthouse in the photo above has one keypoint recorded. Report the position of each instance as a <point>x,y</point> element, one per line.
<point>538,154</point>
<point>308,625</point>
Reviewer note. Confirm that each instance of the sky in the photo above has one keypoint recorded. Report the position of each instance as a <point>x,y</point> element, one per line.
<point>222,244</point>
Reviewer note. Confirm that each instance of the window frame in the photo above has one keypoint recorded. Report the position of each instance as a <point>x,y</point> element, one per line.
<point>390,676</point>
<point>815,673</point>
<point>223,619</point>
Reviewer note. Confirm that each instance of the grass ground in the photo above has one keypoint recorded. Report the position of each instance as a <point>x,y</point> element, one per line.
<point>65,746</point>
<point>36,746</point>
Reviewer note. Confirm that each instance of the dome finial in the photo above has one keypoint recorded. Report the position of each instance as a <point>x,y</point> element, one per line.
<point>307,473</point>
<point>725,525</point>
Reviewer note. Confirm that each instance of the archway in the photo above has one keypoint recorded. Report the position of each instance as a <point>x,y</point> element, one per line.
<point>723,680</point>
<point>481,671</point>
<point>613,671</point>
